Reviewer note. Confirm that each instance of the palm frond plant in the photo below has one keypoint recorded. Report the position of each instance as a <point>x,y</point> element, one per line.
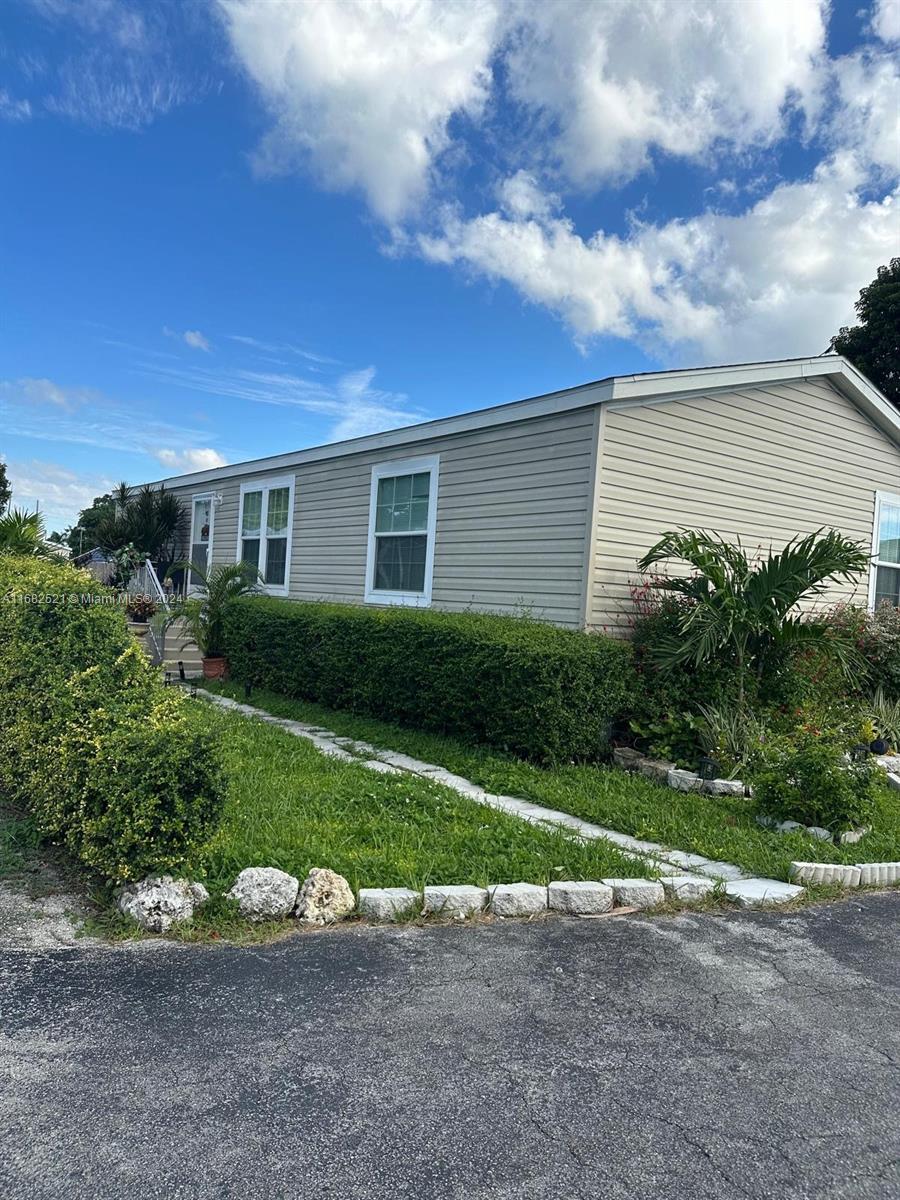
<point>204,611</point>
<point>152,520</point>
<point>23,533</point>
<point>746,607</point>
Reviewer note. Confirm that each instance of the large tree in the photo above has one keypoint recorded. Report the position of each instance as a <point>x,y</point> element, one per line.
<point>874,344</point>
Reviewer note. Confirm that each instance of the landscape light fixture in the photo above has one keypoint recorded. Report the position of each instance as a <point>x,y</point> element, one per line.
<point>709,768</point>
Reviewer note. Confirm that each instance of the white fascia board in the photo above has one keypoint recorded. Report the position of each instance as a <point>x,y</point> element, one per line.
<point>619,389</point>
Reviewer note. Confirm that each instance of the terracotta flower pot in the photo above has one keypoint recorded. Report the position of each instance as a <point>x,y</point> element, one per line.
<point>215,668</point>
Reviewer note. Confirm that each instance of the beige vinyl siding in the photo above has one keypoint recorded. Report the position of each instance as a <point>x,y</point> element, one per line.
<point>512,510</point>
<point>765,463</point>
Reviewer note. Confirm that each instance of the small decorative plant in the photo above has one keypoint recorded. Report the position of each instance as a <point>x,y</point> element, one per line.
<point>203,613</point>
<point>813,781</point>
<point>141,608</point>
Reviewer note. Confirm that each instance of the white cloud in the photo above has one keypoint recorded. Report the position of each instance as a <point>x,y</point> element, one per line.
<point>196,340</point>
<point>364,409</point>
<point>191,337</point>
<point>48,412</point>
<point>12,109</point>
<point>775,280</point>
<point>886,20</point>
<point>356,406</point>
<point>867,117</point>
<point>45,391</point>
<point>120,69</point>
<point>615,80</point>
<point>59,492</point>
<point>200,459</point>
<point>364,89</point>
<point>114,91</point>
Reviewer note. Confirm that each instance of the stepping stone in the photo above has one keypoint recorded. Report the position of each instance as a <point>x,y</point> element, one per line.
<point>751,893</point>
<point>581,898</point>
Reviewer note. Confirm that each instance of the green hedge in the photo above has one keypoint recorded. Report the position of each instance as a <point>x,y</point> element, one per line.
<point>514,683</point>
<point>106,759</point>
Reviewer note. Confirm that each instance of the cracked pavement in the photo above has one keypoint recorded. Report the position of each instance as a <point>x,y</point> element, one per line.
<point>749,1055</point>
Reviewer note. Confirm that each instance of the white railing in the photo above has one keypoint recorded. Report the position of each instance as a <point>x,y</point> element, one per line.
<point>146,581</point>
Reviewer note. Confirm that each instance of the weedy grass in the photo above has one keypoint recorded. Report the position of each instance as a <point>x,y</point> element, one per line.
<point>19,841</point>
<point>289,806</point>
<point>719,827</point>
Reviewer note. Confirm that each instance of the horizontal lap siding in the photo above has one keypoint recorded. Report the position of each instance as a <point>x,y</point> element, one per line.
<point>764,463</point>
<point>511,518</point>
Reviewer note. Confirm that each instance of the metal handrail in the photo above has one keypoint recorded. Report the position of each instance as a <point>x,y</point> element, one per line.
<point>150,584</point>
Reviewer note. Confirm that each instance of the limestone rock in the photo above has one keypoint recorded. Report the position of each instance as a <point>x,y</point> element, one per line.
<point>582,898</point>
<point>656,769</point>
<point>817,831</point>
<point>723,787</point>
<point>518,899</point>
<point>626,758</point>
<point>159,901</point>
<point>684,781</point>
<point>264,893</point>
<point>325,897</point>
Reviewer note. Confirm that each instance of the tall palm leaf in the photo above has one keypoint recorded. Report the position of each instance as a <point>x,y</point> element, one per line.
<point>746,608</point>
<point>23,533</point>
<point>204,612</point>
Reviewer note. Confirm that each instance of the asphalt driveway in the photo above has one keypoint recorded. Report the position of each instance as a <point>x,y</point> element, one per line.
<point>753,1055</point>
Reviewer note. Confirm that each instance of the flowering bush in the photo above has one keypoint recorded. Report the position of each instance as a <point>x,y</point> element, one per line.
<point>876,637</point>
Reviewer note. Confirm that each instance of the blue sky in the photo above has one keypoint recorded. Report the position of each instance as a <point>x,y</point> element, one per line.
<point>234,228</point>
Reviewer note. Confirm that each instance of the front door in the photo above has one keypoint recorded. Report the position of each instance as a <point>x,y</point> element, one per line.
<point>201,537</point>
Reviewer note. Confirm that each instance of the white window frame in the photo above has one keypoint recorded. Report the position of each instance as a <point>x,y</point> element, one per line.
<point>265,486</point>
<point>875,562</point>
<point>211,497</point>
<point>384,470</point>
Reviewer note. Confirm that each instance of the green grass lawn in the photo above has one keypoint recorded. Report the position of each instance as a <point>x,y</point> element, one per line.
<point>290,806</point>
<point>717,827</point>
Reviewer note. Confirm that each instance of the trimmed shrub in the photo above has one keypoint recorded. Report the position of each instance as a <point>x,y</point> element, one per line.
<point>512,682</point>
<point>106,759</point>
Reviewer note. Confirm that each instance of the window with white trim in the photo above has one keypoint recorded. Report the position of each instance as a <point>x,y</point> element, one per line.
<point>264,530</point>
<point>402,516</point>
<point>886,551</point>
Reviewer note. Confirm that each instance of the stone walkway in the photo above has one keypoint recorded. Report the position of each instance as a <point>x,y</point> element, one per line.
<point>745,890</point>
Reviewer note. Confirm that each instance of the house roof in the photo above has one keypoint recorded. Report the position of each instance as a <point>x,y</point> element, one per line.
<point>641,388</point>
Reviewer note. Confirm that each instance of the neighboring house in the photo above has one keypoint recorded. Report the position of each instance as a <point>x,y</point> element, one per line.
<point>547,504</point>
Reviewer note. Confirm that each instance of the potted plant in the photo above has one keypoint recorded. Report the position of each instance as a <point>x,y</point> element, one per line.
<point>140,609</point>
<point>203,612</point>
